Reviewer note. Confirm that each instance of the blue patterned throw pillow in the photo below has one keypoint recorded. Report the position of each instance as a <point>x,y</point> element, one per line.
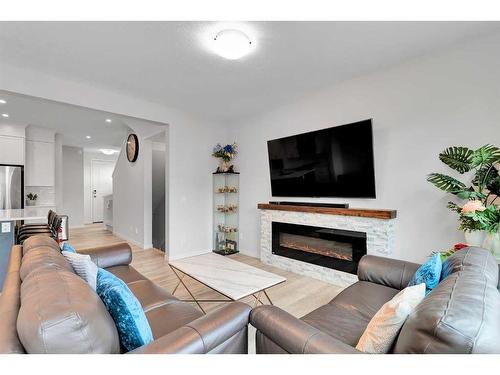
<point>133,327</point>
<point>428,273</point>
<point>67,247</point>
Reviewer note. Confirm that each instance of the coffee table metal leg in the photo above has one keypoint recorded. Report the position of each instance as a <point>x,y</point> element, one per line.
<point>269,299</point>
<point>191,294</point>
<point>257,300</point>
<point>179,283</point>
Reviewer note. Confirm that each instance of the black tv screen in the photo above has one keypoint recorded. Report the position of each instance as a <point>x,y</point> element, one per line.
<point>333,162</point>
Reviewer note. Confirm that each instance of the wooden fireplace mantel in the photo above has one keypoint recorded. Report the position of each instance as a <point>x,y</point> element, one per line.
<point>360,212</point>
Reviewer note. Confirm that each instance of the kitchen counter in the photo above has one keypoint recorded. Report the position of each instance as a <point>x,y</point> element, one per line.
<point>28,213</point>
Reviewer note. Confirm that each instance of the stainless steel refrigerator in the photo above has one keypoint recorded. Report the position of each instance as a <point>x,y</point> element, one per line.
<point>11,187</point>
<point>11,197</point>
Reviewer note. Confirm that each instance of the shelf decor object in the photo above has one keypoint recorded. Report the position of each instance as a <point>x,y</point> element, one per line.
<point>226,212</point>
<point>31,199</point>
<point>225,154</point>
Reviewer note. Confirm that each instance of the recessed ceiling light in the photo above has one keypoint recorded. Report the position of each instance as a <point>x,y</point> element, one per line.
<point>232,44</point>
<point>5,115</point>
<point>3,101</point>
<point>108,120</point>
<point>88,136</point>
<point>108,151</point>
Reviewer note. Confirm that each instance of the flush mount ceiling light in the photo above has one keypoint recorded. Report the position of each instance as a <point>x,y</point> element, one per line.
<point>3,101</point>
<point>5,115</point>
<point>108,120</point>
<point>232,44</point>
<point>88,136</point>
<point>108,151</point>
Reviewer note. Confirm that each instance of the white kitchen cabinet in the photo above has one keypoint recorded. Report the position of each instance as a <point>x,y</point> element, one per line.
<point>11,150</point>
<point>40,164</point>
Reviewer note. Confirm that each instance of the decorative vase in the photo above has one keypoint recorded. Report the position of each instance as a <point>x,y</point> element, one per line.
<point>475,238</point>
<point>224,166</point>
<point>30,202</point>
<point>492,243</point>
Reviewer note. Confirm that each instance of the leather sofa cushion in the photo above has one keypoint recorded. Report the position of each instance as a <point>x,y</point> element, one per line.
<point>39,241</point>
<point>9,305</point>
<point>473,259</point>
<point>60,313</point>
<point>347,315</point>
<point>149,294</point>
<point>167,318</point>
<point>461,315</point>
<point>43,257</point>
<point>126,273</point>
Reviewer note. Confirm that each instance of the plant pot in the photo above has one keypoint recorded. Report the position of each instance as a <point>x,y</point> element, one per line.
<point>475,238</point>
<point>30,203</point>
<point>492,243</point>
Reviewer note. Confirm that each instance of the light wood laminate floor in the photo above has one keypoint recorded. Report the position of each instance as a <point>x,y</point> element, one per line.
<point>299,295</point>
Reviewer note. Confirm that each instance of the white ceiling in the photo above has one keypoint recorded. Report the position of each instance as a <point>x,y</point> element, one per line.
<point>73,122</point>
<point>169,63</point>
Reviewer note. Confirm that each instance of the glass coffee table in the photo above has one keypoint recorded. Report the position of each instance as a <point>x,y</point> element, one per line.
<point>232,279</point>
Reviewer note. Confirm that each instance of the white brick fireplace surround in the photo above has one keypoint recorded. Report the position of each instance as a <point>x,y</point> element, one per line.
<point>377,224</point>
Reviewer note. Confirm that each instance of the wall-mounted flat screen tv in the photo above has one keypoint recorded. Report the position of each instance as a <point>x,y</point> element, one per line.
<point>332,162</point>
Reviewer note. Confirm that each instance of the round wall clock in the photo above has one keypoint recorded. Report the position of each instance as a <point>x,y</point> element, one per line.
<point>132,147</point>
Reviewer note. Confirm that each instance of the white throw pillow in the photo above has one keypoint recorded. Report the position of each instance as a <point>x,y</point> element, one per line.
<point>384,327</point>
<point>83,266</point>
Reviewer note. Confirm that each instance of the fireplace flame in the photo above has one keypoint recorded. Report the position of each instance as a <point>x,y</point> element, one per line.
<point>333,249</point>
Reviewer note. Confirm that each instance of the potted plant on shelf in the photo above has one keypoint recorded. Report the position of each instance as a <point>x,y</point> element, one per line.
<point>225,154</point>
<point>31,199</point>
<point>479,217</point>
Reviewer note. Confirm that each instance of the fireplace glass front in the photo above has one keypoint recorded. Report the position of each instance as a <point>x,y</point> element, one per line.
<point>333,248</point>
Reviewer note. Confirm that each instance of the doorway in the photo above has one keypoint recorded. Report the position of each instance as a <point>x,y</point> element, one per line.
<point>101,185</point>
<point>158,195</point>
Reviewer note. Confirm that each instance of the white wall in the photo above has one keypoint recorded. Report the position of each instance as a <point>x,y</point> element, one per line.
<point>59,172</point>
<point>72,182</point>
<point>131,197</point>
<point>88,156</point>
<point>418,109</point>
<point>190,185</point>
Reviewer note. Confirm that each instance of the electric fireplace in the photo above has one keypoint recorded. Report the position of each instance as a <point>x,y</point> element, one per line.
<point>332,248</point>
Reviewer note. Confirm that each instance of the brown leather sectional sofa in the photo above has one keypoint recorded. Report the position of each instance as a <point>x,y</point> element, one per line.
<point>46,308</point>
<point>461,315</point>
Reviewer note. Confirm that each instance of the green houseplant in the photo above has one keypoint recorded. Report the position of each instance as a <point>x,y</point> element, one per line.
<point>31,199</point>
<point>479,217</point>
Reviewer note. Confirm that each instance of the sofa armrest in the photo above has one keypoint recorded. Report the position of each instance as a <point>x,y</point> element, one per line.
<point>203,334</point>
<point>385,271</point>
<point>119,254</point>
<point>293,335</point>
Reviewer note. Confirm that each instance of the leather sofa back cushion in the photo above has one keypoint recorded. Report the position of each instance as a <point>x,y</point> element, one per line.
<point>461,315</point>
<point>60,313</point>
<point>37,241</point>
<point>43,257</point>
<point>472,259</point>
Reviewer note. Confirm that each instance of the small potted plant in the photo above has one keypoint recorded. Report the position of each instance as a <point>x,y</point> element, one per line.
<point>225,154</point>
<point>479,217</point>
<point>31,199</point>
